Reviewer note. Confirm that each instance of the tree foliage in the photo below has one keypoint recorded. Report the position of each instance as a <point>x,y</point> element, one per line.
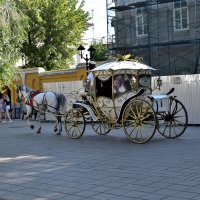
<point>100,53</point>
<point>54,32</point>
<point>12,34</point>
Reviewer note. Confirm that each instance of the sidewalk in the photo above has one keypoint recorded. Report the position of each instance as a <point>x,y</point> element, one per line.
<point>47,166</point>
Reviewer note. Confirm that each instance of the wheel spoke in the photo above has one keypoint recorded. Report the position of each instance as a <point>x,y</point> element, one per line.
<point>177,111</point>
<point>179,122</point>
<point>100,128</point>
<point>135,117</point>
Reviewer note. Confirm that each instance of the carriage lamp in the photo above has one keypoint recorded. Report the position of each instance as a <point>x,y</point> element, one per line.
<point>91,49</point>
<point>159,82</point>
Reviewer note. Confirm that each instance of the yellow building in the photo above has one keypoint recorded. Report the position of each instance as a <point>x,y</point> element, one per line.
<point>36,78</point>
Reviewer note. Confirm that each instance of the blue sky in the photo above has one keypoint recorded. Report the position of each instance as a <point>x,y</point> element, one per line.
<point>99,18</point>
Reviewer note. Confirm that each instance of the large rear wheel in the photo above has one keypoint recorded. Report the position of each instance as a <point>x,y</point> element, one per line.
<point>74,123</point>
<point>173,123</point>
<point>139,121</point>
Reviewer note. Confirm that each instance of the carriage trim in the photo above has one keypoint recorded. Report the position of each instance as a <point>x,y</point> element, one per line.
<point>88,108</point>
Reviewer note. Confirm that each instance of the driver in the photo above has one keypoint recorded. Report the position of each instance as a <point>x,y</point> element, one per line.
<point>90,76</point>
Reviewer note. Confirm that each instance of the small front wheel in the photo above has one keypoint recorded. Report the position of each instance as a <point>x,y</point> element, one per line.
<point>139,121</point>
<point>74,123</point>
<point>100,128</point>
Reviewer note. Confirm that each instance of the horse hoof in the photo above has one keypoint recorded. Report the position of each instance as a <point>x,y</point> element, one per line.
<point>32,127</point>
<point>58,133</point>
<point>38,132</point>
<point>55,129</point>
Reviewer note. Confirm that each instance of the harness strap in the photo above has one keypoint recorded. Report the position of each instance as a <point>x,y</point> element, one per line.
<point>45,103</point>
<point>29,100</point>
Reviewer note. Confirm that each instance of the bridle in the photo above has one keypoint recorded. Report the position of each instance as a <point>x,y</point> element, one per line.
<point>22,99</point>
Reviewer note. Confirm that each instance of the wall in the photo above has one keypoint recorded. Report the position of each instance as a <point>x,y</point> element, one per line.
<point>36,78</point>
<point>187,90</point>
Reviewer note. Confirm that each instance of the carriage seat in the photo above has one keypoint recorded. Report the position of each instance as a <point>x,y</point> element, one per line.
<point>160,102</point>
<point>112,107</point>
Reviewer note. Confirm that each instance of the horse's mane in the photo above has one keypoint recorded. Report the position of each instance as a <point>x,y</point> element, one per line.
<point>27,89</point>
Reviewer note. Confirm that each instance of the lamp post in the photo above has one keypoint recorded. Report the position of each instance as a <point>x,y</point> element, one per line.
<point>86,58</point>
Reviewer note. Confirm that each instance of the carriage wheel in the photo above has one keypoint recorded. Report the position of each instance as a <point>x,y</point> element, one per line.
<point>74,124</point>
<point>172,124</point>
<point>139,121</point>
<point>100,128</point>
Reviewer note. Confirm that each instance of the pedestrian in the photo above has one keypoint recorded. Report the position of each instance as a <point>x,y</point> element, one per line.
<point>1,105</point>
<point>6,101</point>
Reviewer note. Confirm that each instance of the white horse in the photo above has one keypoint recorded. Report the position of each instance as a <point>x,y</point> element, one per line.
<point>53,103</point>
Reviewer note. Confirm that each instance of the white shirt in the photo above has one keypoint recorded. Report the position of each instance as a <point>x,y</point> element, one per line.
<point>90,76</point>
<point>90,79</point>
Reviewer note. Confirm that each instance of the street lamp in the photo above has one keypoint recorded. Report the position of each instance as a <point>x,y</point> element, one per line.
<point>91,49</point>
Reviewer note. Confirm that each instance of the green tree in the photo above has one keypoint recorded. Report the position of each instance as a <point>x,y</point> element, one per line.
<point>100,53</point>
<point>54,32</point>
<point>12,34</point>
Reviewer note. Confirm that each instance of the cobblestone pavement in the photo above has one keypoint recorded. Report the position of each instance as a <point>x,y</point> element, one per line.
<point>46,166</point>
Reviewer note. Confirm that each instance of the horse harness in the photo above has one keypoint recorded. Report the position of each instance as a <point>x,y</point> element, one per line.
<point>30,100</point>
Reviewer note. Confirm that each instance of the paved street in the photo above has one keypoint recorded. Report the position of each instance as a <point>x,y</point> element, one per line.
<point>47,166</point>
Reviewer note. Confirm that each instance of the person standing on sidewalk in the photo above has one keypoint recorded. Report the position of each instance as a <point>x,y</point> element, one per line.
<point>7,107</point>
<point>1,106</point>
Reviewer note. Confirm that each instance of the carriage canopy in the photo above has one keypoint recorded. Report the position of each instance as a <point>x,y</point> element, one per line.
<point>119,65</point>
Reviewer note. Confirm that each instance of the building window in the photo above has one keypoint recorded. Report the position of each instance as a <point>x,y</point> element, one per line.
<point>180,15</point>
<point>141,22</point>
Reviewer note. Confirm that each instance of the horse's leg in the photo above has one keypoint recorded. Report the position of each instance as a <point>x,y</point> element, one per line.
<point>55,126</point>
<point>60,124</point>
<point>29,110</point>
<point>39,123</point>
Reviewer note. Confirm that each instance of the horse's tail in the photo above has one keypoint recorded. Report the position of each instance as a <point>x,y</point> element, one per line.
<point>62,102</point>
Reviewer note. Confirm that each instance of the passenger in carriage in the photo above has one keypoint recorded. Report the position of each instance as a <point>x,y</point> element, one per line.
<point>127,84</point>
<point>121,84</point>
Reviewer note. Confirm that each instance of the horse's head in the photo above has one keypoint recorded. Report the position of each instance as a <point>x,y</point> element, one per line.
<point>21,93</point>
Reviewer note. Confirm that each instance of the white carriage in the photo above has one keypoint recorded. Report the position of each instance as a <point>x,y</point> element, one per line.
<point>120,96</point>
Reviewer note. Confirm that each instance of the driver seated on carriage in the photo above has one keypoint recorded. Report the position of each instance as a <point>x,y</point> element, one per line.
<point>87,84</point>
<point>90,77</point>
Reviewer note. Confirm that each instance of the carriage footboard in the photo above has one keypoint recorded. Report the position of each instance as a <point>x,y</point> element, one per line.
<point>88,108</point>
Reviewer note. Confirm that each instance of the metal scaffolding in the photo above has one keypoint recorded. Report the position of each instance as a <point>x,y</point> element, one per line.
<point>176,53</point>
